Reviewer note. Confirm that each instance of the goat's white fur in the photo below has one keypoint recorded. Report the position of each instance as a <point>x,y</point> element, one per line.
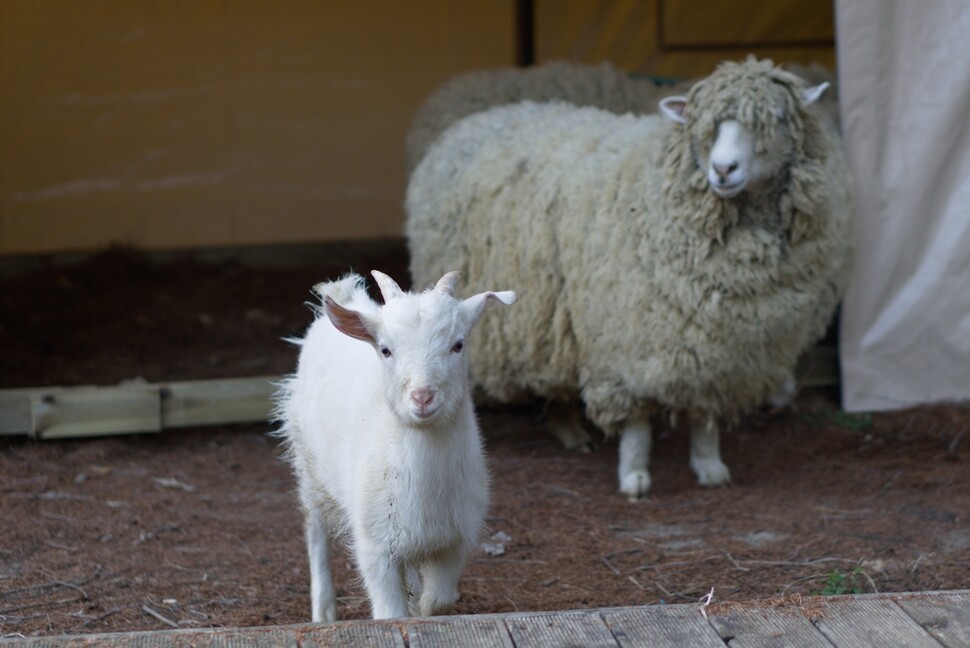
<point>383,439</point>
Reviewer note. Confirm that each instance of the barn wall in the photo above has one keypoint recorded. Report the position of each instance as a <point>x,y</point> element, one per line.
<point>172,124</point>
<point>191,123</point>
<point>683,38</point>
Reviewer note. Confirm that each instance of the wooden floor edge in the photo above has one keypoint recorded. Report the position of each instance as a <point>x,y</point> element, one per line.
<point>402,625</point>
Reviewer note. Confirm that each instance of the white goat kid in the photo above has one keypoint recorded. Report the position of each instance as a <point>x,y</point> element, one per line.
<point>384,442</point>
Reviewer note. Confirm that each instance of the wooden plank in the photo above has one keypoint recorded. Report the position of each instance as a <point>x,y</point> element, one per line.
<point>661,625</point>
<point>217,402</point>
<point>945,616</point>
<point>353,635</point>
<point>767,627</point>
<point>15,417</point>
<point>586,629</point>
<point>871,623</point>
<point>246,638</point>
<point>94,412</point>
<point>468,632</point>
<point>62,412</point>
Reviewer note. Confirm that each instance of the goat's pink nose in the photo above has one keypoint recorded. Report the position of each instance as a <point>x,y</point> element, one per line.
<point>422,397</point>
<point>724,169</point>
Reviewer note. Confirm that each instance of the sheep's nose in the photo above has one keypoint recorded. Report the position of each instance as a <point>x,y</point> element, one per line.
<point>422,397</point>
<point>724,169</point>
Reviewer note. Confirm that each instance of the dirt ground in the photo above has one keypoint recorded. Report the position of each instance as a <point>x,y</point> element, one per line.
<point>199,527</point>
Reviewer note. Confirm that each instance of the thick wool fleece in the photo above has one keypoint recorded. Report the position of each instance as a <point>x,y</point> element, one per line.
<point>600,86</point>
<point>639,288</point>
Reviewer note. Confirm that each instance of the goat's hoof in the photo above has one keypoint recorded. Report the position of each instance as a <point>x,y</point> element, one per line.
<point>635,484</point>
<point>711,472</point>
<point>327,615</point>
<point>437,608</point>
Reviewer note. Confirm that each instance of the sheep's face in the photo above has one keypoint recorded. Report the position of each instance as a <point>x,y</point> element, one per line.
<point>733,162</point>
<point>420,340</point>
<point>744,141</point>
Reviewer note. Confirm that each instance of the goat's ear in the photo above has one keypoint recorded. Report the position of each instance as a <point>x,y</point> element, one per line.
<point>474,306</point>
<point>673,108</point>
<point>447,283</point>
<point>813,94</point>
<point>349,322</point>
<point>389,288</point>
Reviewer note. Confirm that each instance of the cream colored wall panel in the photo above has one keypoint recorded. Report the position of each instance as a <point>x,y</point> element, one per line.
<point>201,123</point>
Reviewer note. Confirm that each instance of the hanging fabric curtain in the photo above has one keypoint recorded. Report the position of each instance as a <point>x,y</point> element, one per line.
<point>904,78</point>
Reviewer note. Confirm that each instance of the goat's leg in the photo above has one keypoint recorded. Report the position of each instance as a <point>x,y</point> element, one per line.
<point>634,456</point>
<point>705,452</point>
<point>384,580</point>
<point>440,582</point>
<point>323,596</point>
<point>566,422</point>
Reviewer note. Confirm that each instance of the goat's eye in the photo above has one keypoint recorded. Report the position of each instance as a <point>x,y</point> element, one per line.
<point>459,345</point>
<point>385,351</point>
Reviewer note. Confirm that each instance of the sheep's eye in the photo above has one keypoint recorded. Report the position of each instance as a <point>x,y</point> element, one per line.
<point>459,345</point>
<point>385,351</point>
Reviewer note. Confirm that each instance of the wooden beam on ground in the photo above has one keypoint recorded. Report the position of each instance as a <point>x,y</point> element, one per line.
<point>66,412</point>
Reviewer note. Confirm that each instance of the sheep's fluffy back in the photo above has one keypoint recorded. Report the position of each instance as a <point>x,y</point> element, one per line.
<point>622,303</point>
<point>599,86</point>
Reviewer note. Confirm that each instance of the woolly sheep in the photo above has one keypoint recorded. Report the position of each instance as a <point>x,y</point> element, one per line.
<point>600,86</point>
<point>644,290</point>
<point>382,437</point>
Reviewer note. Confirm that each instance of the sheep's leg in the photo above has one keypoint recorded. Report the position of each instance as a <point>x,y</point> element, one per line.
<point>323,596</point>
<point>566,422</point>
<point>384,579</point>
<point>634,456</point>
<point>440,587</point>
<point>705,453</point>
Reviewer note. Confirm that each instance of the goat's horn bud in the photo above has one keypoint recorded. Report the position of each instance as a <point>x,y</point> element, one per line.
<point>447,283</point>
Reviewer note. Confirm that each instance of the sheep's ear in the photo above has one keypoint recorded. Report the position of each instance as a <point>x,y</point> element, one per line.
<point>673,108</point>
<point>447,283</point>
<point>389,288</point>
<point>349,322</point>
<point>813,94</point>
<point>474,306</point>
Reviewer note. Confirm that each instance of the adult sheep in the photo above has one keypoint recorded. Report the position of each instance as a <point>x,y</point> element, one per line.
<point>679,264</point>
<point>601,86</point>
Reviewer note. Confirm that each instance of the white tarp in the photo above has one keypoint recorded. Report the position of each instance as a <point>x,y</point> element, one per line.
<point>904,81</point>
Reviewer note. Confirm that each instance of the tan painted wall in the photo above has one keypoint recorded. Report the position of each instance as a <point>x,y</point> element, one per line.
<point>200,123</point>
<point>684,38</point>
<point>188,123</point>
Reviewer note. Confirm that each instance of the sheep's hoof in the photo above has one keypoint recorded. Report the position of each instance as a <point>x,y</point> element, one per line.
<point>711,472</point>
<point>573,438</point>
<point>635,484</point>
